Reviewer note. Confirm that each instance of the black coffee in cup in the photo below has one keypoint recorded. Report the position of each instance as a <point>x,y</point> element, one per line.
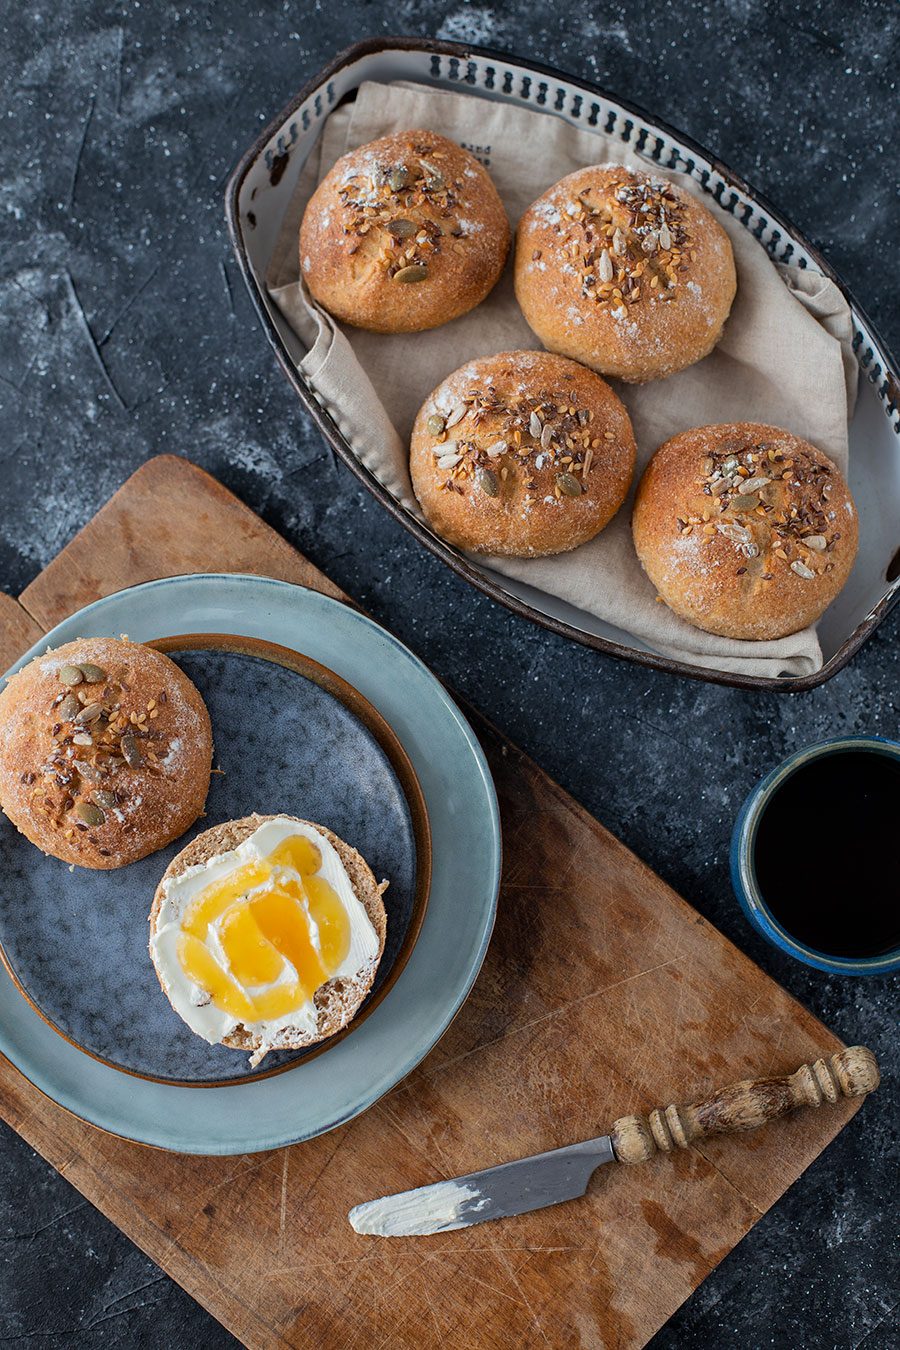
<point>824,854</point>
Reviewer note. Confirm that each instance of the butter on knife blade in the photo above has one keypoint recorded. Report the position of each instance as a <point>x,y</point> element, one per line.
<point>564,1173</point>
<point>496,1193</point>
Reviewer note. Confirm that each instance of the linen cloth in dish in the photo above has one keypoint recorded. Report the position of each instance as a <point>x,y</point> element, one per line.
<point>785,358</point>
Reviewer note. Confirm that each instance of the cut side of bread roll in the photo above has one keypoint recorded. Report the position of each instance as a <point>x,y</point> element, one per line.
<point>266,933</point>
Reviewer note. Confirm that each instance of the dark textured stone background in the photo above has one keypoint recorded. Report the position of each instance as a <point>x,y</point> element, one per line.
<point>122,122</point>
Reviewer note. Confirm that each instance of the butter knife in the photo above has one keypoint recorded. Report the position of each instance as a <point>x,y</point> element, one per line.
<point>564,1173</point>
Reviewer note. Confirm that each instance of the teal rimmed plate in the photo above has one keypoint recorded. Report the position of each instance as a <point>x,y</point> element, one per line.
<point>328,1090</point>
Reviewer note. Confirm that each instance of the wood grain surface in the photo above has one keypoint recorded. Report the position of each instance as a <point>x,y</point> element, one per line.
<point>603,993</point>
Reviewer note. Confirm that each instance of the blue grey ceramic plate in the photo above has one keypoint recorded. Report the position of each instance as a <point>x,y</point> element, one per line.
<point>291,737</point>
<point>322,1091</point>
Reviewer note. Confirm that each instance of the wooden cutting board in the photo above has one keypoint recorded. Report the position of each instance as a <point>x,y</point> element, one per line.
<point>603,993</point>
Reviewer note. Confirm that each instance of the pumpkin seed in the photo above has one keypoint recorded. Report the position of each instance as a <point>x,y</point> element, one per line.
<point>398,178</point>
<point>434,181</point>
<point>802,570</point>
<point>70,675</point>
<point>402,229</point>
<point>90,713</point>
<point>93,674</point>
<point>435,424</point>
<point>68,708</point>
<point>130,751</point>
<point>487,481</point>
<point>745,501</point>
<point>89,813</point>
<point>817,542</point>
<point>415,272</point>
<point>107,800</point>
<point>568,485</point>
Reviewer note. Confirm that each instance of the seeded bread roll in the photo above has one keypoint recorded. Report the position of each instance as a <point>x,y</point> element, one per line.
<point>523,454</point>
<point>403,234</point>
<point>105,752</point>
<point>744,529</point>
<point>625,272</point>
<point>338,1000</point>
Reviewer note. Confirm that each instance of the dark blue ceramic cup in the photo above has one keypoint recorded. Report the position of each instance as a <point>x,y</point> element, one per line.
<point>743,868</point>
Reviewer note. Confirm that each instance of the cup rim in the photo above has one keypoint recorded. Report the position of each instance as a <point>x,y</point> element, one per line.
<point>744,874</point>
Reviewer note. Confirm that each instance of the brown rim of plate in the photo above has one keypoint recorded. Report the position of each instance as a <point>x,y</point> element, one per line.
<point>341,447</point>
<point>360,708</point>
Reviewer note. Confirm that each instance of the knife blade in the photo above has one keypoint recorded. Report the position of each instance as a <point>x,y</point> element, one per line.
<point>563,1173</point>
<point>495,1193</point>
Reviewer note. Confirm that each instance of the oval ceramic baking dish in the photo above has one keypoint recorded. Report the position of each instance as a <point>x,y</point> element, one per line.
<point>262,185</point>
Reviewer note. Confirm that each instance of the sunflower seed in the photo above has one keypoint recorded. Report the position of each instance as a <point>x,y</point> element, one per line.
<point>130,751</point>
<point>68,708</point>
<point>535,426</point>
<point>497,449</point>
<point>82,738</point>
<point>445,448</point>
<point>546,437</point>
<point>448,461</point>
<point>719,486</point>
<point>93,674</point>
<point>435,424</point>
<point>605,270</point>
<point>70,675</point>
<point>752,484</point>
<point>457,413</point>
<point>650,242</point>
<point>89,813</point>
<point>730,465</point>
<point>619,244</point>
<point>89,772</point>
<point>487,481</point>
<point>89,713</point>
<point>416,272</point>
<point>813,541</point>
<point>401,229</point>
<point>665,238</point>
<point>568,485</point>
<point>802,570</point>
<point>738,534</point>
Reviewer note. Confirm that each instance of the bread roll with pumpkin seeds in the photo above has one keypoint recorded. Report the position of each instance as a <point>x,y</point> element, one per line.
<point>521,454</point>
<point>105,752</point>
<point>624,271</point>
<point>744,529</point>
<point>403,234</point>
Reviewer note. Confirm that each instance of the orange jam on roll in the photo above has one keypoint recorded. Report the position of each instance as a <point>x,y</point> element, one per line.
<point>267,915</point>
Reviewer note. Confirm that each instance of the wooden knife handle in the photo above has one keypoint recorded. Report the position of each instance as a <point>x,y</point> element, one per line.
<point>745,1105</point>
